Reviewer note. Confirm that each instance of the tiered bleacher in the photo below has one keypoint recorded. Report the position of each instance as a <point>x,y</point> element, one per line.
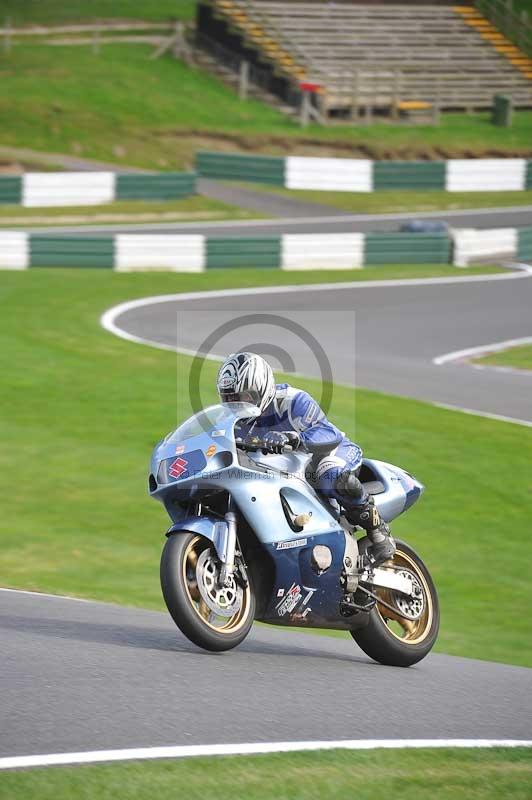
<point>379,56</point>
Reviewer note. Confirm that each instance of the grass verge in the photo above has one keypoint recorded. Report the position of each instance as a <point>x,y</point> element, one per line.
<point>518,357</point>
<point>388,201</point>
<point>62,100</point>
<point>186,209</point>
<point>55,12</point>
<point>375,775</point>
<point>81,410</point>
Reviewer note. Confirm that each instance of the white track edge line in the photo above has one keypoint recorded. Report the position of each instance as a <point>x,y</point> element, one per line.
<point>484,349</point>
<point>485,414</point>
<point>188,751</point>
<point>48,595</point>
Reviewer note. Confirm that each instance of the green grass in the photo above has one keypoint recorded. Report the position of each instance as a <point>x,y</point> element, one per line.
<point>375,775</point>
<point>68,100</point>
<point>55,12</point>
<point>81,410</point>
<point>388,201</point>
<point>191,208</point>
<point>517,357</point>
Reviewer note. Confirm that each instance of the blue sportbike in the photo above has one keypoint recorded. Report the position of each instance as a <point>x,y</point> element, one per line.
<point>252,539</point>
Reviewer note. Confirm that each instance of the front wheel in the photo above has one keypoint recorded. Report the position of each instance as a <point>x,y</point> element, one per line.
<point>213,617</point>
<point>405,633</point>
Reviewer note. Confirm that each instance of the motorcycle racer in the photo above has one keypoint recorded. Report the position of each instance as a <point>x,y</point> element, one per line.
<point>290,416</point>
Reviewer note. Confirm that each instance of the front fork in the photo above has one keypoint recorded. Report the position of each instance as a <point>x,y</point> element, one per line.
<point>227,556</point>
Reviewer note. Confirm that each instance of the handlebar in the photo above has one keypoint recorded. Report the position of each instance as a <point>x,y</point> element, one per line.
<point>252,445</point>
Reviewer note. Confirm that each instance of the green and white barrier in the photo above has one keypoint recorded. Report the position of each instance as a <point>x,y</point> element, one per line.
<point>472,245</point>
<point>41,189</point>
<point>196,253</point>
<point>363,175</point>
<point>180,253</point>
<point>312,251</point>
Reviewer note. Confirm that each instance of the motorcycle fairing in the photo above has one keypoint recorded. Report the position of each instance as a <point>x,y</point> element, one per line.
<point>301,596</point>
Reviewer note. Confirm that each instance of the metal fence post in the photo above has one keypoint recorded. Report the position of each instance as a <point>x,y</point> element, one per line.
<point>355,100</point>
<point>7,35</point>
<point>243,80</point>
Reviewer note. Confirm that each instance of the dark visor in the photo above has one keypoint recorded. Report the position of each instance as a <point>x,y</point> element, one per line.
<point>249,396</point>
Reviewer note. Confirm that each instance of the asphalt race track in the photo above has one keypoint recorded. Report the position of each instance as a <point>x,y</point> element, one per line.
<point>380,337</point>
<point>82,676</point>
<point>303,218</point>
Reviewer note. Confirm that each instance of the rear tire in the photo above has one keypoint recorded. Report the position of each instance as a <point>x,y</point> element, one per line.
<point>180,561</point>
<point>390,639</point>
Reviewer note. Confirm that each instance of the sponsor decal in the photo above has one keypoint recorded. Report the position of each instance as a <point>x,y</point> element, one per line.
<point>305,612</point>
<point>280,593</point>
<point>217,433</point>
<point>178,467</point>
<point>289,545</point>
<point>310,592</point>
<point>179,449</point>
<point>210,451</point>
<point>288,603</point>
<point>228,382</point>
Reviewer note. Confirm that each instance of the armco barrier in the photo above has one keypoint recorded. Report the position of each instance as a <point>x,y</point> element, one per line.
<point>195,253</point>
<point>312,251</point>
<point>240,167</point>
<point>264,251</point>
<point>485,175</point>
<point>477,246</point>
<point>10,189</point>
<point>41,189</point>
<point>329,174</point>
<point>182,253</point>
<point>524,245</point>
<point>407,248</point>
<point>67,188</point>
<point>161,186</point>
<point>362,175</point>
<point>14,250</point>
<point>420,175</point>
<point>71,251</point>
<point>528,184</point>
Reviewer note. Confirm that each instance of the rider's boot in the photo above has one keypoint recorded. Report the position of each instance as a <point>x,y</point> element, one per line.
<point>361,510</point>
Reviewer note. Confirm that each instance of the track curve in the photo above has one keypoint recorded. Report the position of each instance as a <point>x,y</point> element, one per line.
<point>380,335</point>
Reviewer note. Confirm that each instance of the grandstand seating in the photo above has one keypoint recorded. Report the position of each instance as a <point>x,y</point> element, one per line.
<point>382,56</point>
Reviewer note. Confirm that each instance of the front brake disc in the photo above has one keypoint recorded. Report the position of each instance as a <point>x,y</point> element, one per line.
<point>224,601</point>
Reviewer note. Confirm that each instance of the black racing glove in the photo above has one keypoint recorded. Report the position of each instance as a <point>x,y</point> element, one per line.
<point>276,441</point>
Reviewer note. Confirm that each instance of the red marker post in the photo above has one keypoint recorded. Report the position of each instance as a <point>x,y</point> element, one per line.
<point>308,88</point>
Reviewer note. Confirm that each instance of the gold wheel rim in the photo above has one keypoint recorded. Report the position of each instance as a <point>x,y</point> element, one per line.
<point>189,562</point>
<point>413,631</point>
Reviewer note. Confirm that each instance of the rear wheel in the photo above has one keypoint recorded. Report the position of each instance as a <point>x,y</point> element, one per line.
<point>212,616</point>
<point>403,631</point>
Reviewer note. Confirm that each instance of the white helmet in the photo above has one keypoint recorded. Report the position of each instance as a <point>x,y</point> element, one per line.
<point>246,378</point>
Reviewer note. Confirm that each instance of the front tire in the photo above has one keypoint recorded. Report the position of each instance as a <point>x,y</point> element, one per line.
<point>390,638</point>
<point>212,617</point>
